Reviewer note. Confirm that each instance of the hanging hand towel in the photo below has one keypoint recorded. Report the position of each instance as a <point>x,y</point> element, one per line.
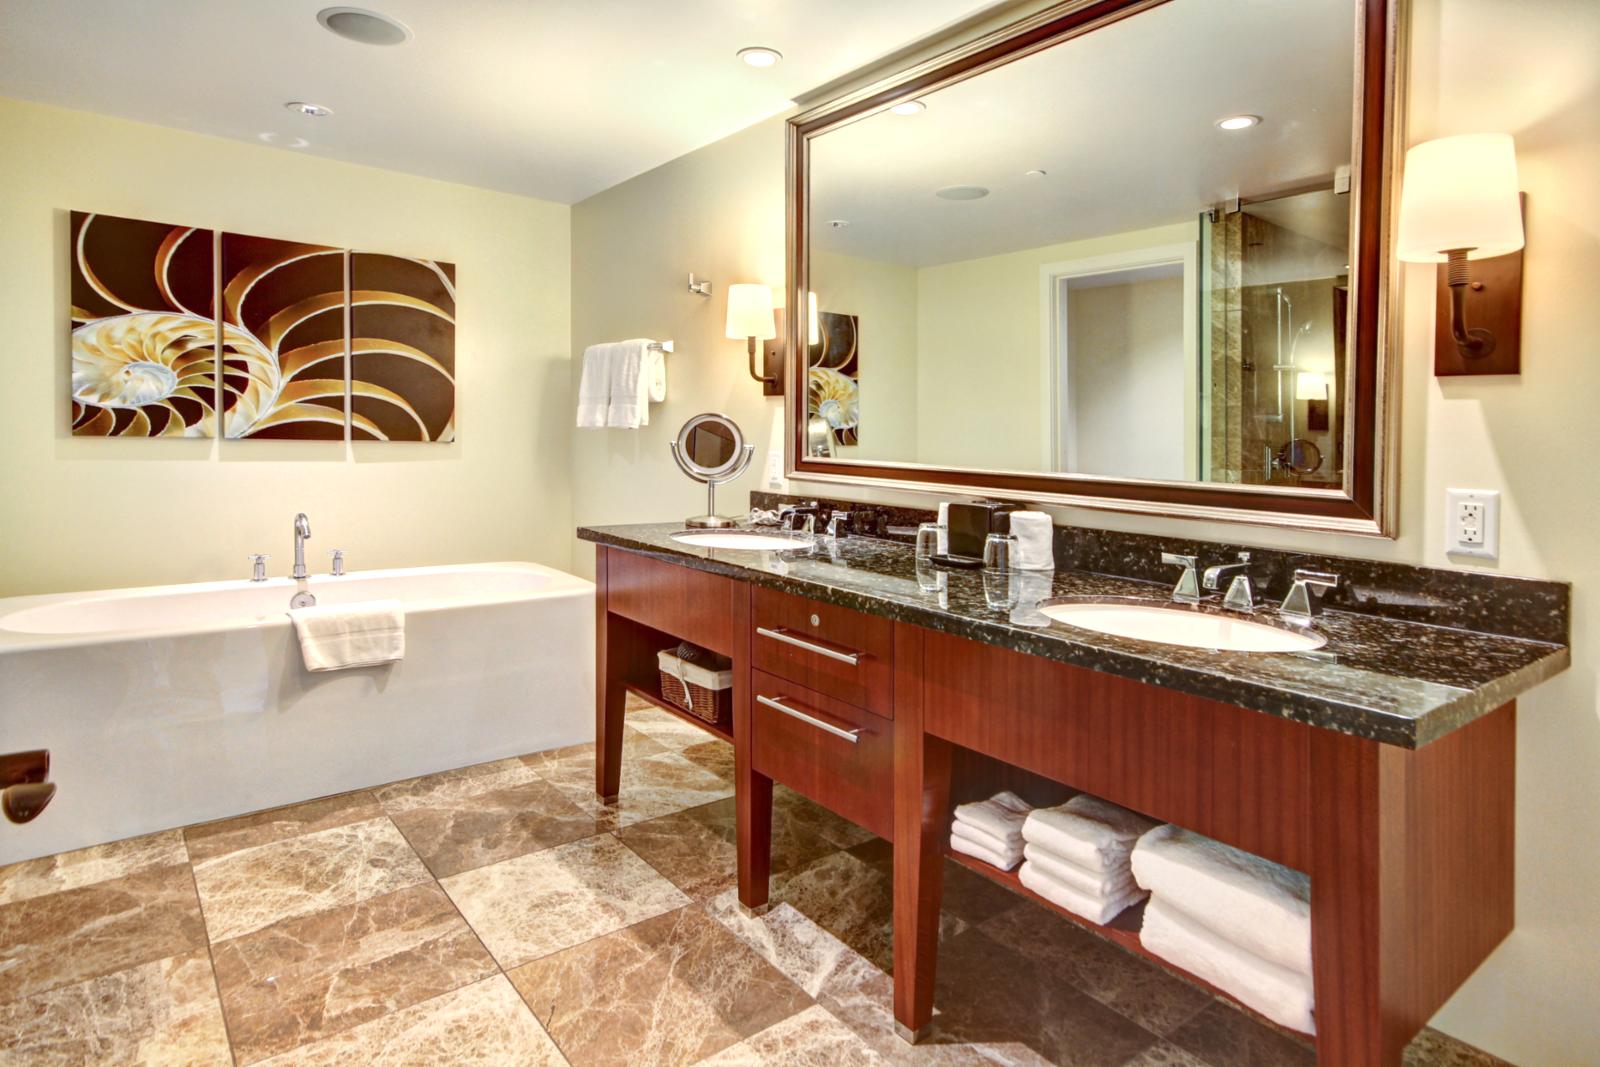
<point>1276,992</point>
<point>1260,905</point>
<point>628,407</point>
<point>594,386</point>
<point>341,636</point>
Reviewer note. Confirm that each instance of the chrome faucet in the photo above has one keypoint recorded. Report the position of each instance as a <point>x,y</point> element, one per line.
<point>258,569</point>
<point>302,534</point>
<point>1241,596</point>
<point>338,563</point>
<point>1301,605</point>
<point>835,521</point>
<point>1187,591</point>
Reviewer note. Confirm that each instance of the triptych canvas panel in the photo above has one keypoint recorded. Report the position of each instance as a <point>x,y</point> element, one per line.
<point>313,342</point>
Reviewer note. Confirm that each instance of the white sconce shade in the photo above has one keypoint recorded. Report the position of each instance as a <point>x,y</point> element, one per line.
<point>1460,192</point>
<point>813,321</point>
<point>1309,385</point>
<point>750,312</point>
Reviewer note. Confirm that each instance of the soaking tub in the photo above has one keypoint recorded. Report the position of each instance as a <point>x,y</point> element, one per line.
<point>175,704</point>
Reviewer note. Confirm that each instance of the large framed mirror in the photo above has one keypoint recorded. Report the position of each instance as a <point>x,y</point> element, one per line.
<point>1126,254</point>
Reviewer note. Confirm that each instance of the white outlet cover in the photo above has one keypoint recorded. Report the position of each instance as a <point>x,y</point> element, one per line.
<point>1460,536</point>
<point>774,469</point>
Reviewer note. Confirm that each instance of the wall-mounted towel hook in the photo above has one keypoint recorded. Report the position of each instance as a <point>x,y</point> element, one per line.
<point>699,286</point>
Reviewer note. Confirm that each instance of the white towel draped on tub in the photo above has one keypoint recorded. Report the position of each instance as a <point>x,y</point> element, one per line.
<point>341,636</point>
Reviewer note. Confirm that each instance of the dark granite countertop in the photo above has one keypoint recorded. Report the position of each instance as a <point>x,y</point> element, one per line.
<point>1392,680</point>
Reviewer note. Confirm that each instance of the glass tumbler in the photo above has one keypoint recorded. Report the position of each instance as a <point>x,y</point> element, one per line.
<point>927,540</point>
<point>999,553</point>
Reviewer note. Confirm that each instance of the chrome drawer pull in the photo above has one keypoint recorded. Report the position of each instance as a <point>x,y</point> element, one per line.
<point>790,639</point>
<point>851,736</point>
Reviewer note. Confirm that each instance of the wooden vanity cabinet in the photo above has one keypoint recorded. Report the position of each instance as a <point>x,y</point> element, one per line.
<point>1410,851</point>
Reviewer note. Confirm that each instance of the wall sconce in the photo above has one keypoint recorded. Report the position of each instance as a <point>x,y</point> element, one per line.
<point>750,317</point>
<point>1460,202</point>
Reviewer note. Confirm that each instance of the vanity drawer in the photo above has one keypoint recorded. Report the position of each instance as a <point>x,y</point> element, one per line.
<point>835,753</point>
<point>685,603</point>
<point>838,652</point>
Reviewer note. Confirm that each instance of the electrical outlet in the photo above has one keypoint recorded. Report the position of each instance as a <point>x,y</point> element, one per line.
<point>1472,523</point>
<point>774,469</point>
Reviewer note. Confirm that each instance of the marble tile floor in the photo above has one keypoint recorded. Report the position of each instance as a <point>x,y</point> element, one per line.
<point>499,915</point>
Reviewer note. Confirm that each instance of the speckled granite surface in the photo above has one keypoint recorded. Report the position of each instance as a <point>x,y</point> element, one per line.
<point>1390,679</point>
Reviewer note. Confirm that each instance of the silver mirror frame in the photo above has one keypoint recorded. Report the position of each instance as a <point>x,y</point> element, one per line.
<point>712,477</point>
<point>1367,506</point>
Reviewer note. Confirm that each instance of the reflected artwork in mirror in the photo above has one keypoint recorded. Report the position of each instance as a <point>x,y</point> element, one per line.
<point>1124,254</point>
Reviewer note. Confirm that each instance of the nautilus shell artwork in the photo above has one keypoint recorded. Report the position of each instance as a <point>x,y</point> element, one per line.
<point>832,392</point>
<point>143,329</point>
<point>314,342</point>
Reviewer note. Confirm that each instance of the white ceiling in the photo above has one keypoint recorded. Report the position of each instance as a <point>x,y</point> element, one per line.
<point>556,99</point>
<point>1123,119</point>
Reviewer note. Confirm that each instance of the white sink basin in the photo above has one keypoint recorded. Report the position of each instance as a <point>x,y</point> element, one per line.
<point>1180,626</point>
<point>743,540</point>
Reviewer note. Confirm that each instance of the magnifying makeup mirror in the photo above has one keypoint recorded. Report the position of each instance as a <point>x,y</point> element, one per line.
<point>711,449</point>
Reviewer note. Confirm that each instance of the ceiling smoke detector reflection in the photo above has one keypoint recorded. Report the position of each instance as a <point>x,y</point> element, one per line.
<point>1238,122</point>
<point>363,26</point>
<point>302,107</point>
<point>760,57</point>
<point>962,192</point>
<point>909,107</point>
<point>838,224</point>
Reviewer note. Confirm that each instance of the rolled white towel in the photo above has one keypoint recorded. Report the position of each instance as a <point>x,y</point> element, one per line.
<point>1001,816</point>
<point>1035,534</point>
<point>1262,906</point>
<point>1096,909</point>
<point>1112,883</point>
<point>1282,995</point>
<point>1091,832</point>
<point>977,850</point>
<point>340,636</point>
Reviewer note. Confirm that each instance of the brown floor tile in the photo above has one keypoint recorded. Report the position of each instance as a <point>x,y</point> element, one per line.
<point>1224,1036</point>
<point>86,866</point>
<point>484,1023</point>
<point>246,890</point>
<point>851,899</point>
<point>456,834</point>
<point>652,786</point>
<point>1131,985</point>
<point>1166,1054</point>
<point>306,978</point>
<point>211,840</point>
<point>63,938</point>
<point>163,1012</point>
<point>812,1038</point>
<point>713,755</point>
<point>669,990</point>
<point>543,902</point>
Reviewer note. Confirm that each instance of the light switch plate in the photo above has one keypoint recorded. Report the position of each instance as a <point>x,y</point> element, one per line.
<point>1472,523</point>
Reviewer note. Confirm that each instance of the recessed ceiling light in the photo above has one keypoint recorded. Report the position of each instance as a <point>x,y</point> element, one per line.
<point>838,224</point>
<point>1036,173</point>
<point>760,57</point>
<point>909,107</point>
<point>316,111</point>
<point>363,26</point>
<point>962,192</point>
<point>1239,122</point>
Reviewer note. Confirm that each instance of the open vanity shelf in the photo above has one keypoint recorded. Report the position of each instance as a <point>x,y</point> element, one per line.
<point>652,695</point>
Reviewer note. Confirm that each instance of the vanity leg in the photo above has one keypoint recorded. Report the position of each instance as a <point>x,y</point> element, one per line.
<point>921,826</point>
<point>752,790</point>
<point>610,698</point>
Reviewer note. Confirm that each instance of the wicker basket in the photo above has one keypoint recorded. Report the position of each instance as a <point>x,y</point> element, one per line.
<point>699,682</point>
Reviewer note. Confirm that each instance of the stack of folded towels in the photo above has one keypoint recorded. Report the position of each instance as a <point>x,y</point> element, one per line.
<point>991,830</point>
<point>1236,920</point>
<point>1077,856</point>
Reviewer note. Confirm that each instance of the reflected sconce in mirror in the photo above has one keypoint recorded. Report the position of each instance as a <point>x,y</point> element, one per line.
<point>1460,203</point>
<point>750,317</point>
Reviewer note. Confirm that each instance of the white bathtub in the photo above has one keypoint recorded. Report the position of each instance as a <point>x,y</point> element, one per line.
<point>170,705</point>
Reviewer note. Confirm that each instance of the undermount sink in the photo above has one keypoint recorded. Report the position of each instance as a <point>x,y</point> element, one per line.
<point>743,540</point>
<point>1181,626</point>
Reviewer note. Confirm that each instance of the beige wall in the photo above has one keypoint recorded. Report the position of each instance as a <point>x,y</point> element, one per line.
<point>1527,68</point>
<point>86,513</point>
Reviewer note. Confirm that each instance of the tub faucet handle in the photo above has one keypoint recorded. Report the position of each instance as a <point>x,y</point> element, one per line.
<point>258,568</point>
<point>338,563</point>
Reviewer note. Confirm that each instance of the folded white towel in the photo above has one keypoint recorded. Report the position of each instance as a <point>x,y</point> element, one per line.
<point>1096,909</point>
<point>1035,534</point>
<point>594,385</point>
<point>1116,882</point>
<point>979,836</point>
<point>628,407</point>
<point>968,847</point>
<point>1091,832</point>
<point>1282,995</point>
<point>340,636</point>
<point>1262,906</point>
<point>1001,816</point>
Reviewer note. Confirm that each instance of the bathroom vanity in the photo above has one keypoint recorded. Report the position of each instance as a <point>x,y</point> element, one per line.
<point>1381,764</point>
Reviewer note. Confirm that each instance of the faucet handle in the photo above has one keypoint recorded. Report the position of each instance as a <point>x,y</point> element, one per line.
<point>1188,588</point>
<point>258,569</point>
<point>337,555</point>
<point>1302,603</point>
